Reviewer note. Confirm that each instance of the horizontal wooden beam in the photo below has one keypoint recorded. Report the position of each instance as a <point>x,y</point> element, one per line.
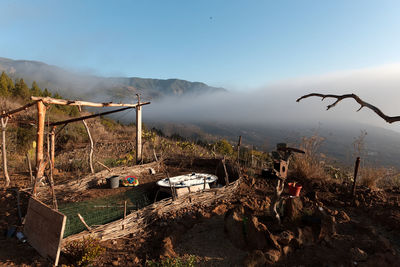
<point>49,100</point>
<point>9,113</point>
<point>88,116</point>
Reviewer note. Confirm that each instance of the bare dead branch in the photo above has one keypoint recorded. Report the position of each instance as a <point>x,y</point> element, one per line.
<point>388,119</point>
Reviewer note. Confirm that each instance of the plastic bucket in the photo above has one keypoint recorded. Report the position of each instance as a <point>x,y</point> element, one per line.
<point>294,189</point>
<point>113,181</point>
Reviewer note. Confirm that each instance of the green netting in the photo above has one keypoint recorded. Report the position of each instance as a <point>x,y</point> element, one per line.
<point>102,210</point>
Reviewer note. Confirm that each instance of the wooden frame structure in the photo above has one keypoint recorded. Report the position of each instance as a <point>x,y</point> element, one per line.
<point>41,111</point>
<point>41,103</point>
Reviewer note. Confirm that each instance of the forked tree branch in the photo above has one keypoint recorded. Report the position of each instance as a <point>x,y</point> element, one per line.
<point>362,103</point>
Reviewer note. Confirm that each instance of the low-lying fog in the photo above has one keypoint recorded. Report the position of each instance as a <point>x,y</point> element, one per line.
<point>276,103</point>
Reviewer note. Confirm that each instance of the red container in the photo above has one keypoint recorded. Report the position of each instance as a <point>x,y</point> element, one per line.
<point>294,189</point>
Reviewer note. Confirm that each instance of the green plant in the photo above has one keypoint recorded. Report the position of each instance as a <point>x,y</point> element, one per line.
<point>188,261</point>
<point>224,147</point>
<point>84,252</point>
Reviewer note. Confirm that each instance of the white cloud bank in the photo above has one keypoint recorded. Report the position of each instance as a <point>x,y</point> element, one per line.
<point>276,102</point>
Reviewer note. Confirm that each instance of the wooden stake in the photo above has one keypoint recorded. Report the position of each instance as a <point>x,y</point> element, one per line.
<point>101,164</point>
<point>155,155</point>
<point>226,173</point>
<point>30,169</point>
<point>123,224</point>
<point>238,153</point>
<point>84,223</point>
<point>41,113</point>
<point>50,177</point>
<point>171,187</point>
<point>4,150</point>
<point>355,176</point>
<point>53,145</point>
<point>138,131</point>
<point>238,148</point>
<point>91,146</point>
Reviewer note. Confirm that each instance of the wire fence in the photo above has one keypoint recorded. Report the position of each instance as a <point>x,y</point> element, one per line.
<point>102,210</point>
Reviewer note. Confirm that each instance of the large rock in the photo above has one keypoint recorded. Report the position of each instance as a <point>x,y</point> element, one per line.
<point>328,227</point>
<point>304,236</point>
<point>255,258</point>
<point>285,237</point>
<point>272,256</point>
<point>256,234</point>
<point>235,226</point>
<point>343,217</point>
<point>358,254</point>
<point>168,248</point>
<point>259,237</point>
<point>293,209</point>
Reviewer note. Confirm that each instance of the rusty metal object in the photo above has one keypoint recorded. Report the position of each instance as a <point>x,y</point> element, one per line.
<point>278,174</point>
<point>281,158</point>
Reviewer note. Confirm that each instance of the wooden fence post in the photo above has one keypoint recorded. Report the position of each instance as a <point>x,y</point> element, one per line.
<point>138,131</point>
<point>41,113</point>
<point>4,150</point>
<point>353,191</point>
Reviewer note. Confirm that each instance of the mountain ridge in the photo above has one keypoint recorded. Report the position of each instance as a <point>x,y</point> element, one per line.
<point>71,84</point>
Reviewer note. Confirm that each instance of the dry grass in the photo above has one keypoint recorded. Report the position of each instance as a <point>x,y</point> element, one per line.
<point>370,176</point>
<point>309,165</point>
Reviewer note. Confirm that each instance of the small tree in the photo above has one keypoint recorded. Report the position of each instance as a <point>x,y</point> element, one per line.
<point>224,147</point>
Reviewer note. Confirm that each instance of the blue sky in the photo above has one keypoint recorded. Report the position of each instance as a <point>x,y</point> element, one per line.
<point>234,44</point>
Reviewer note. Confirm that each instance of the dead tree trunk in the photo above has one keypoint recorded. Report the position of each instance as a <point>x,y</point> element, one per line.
<point>4,150</point>
<point>91,146</point>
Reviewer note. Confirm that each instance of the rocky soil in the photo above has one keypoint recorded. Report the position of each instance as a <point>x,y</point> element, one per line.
<point>322,227</point>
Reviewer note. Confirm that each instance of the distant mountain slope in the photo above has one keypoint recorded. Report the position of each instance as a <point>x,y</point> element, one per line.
<point>76,85</point>
<point>382,146</point>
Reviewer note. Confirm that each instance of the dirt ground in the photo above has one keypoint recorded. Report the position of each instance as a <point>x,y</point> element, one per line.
<point>332,229</point>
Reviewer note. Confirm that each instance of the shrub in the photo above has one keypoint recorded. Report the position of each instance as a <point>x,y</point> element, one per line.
<point>308,165</point>
<point>370,176</point>
<point>224,147</point>
<point>188,261</point>
<point>109,124</point>
<point>84,252</point>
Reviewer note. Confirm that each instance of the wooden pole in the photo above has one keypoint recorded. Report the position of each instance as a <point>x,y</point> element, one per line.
<point>84,223</point>
<point>101,164</point>
<point>4,150</point>
<point>41,113</point>
<point>49,100</point>
<point>238,153</point>
<point>9,113</point>
<point>138,131</point>
<point>91,146</point>
<point>90,142</point>
<point>226,173</point>
<point>53,145</point>
<point>123,224</point>
<point>30,168</point>
<point>355,176</point>
<point>50,177</point>
<point>89,116</point>
<point>238,149</point>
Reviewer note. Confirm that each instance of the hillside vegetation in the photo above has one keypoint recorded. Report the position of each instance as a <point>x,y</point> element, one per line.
<point>74,85</point>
